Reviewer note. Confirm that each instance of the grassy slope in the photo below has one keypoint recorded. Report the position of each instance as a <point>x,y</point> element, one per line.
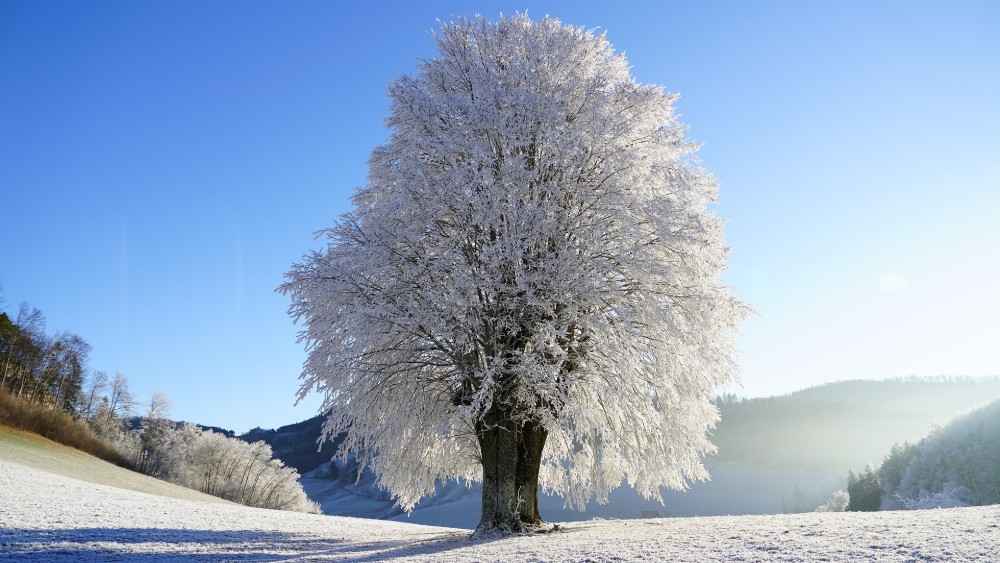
<point>36,452</point>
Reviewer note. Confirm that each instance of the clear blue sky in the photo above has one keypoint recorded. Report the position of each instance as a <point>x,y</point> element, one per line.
<point>162,164</point>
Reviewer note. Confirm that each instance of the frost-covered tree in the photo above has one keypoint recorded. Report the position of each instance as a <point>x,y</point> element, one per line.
<point>838,502</point>
<point>91,396</point>
<point>892,471</point>
<point>108,418</point>
<point>235,470</point>
<point>121,401</point>
<point>528,290</point>
<point>152,439</point>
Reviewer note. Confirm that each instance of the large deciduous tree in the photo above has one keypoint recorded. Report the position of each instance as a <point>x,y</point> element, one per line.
<point>528,290</point>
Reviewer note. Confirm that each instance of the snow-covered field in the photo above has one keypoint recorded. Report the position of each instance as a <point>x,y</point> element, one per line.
<point>49,517</point>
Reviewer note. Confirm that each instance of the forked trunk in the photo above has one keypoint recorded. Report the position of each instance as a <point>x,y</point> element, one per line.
<point>530,445</point>
<point>512,455</point>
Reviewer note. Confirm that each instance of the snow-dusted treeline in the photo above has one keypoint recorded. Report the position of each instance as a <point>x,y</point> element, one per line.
<point>234,470</point>
<point>196,458</point>
<point>213,463</point>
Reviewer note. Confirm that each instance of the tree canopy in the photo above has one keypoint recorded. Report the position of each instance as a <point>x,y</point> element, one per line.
<point>528,289</point>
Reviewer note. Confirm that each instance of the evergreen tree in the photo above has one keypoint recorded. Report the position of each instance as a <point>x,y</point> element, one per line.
<point>865,491</point>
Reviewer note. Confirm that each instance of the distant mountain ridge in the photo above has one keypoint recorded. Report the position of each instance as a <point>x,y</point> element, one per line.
<point>768,447</point>
<point>297,444</point>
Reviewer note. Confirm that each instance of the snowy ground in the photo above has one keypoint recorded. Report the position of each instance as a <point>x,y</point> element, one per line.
<point>49,517</point>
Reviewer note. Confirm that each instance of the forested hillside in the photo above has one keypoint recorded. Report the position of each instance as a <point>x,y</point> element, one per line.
<point>955,465</point>
<point>296,444</point>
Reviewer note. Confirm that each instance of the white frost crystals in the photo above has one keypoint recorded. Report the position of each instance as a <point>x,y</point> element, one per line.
<point>532,249</point>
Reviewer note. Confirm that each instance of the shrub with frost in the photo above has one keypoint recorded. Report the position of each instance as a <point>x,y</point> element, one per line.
<point>950,497</point>
<point>837,502</point>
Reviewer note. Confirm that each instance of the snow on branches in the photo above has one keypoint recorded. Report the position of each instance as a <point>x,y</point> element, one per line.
<point>532,250</point>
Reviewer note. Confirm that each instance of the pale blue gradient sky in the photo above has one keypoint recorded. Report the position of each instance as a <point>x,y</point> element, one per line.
<point>162,164</point>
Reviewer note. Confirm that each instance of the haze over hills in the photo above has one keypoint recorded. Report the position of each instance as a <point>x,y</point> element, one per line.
<point>786,453</point>
<point>848,422</point>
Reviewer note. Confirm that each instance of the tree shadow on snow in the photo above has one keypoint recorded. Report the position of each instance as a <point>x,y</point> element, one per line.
<point>155,544</point>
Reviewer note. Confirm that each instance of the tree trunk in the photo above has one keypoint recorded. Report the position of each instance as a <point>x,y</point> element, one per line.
<point>530,445</point>
<point>512,455</point>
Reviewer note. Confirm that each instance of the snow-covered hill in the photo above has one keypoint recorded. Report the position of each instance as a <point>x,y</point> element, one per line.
<point>49,517</point>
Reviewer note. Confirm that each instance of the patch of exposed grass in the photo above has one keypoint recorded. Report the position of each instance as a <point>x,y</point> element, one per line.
<point>57,426</point>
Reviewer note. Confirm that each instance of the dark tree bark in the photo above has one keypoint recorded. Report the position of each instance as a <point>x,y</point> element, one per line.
<point>530,445</point>
<point>511,455</point>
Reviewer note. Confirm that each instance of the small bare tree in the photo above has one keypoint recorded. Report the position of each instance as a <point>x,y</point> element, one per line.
<point>96,385</point>
<point>121,402</point>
